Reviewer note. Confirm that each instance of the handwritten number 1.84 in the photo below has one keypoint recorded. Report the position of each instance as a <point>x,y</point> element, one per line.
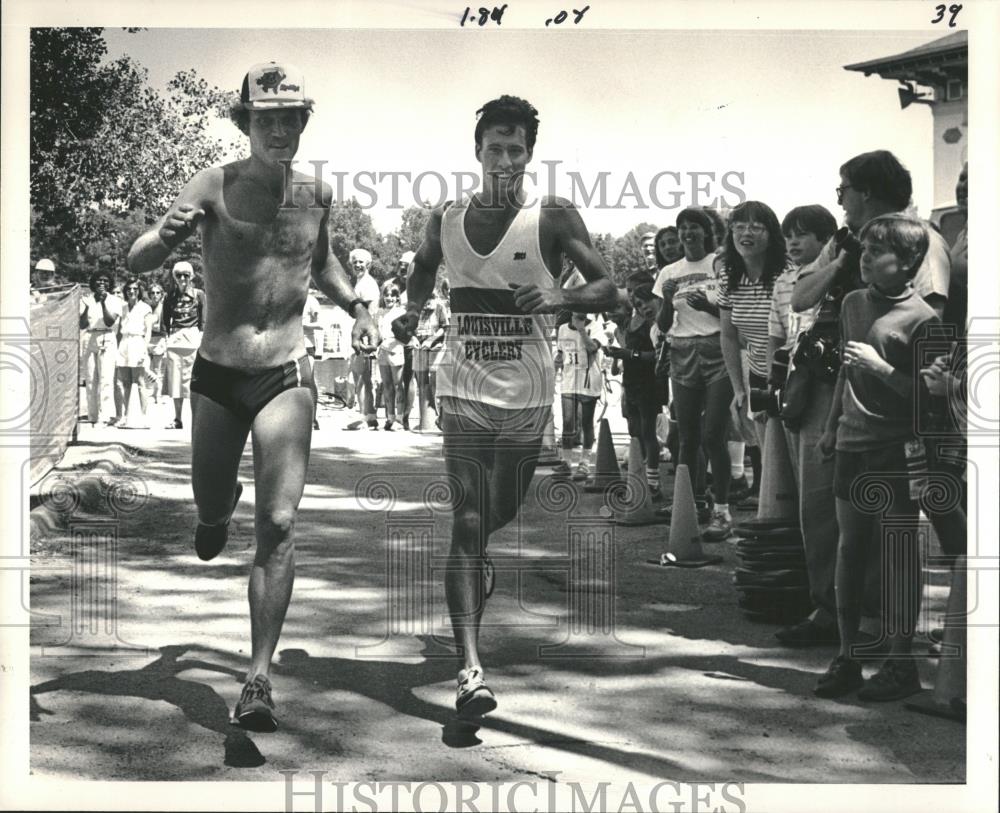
<point>954,9</point>
<point>560,18</point>
<point>485,15</point>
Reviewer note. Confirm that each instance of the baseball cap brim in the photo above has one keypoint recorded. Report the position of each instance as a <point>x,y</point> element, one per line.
<point>301,104</point>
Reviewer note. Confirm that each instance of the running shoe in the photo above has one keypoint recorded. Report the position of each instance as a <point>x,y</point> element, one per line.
<point>719,528</point>
<point>209,540</point>
<point>474,697</point>
<point>897,678</point>
<point>843,677</point>
<point>176,423</point>
<point>390,426</point>
<point>255,709</point>
<point>739,488</point>
<point>582,472</point>
<point>561,469</point>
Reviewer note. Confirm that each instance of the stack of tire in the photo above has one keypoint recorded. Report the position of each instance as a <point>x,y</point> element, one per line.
<point>771,575</point>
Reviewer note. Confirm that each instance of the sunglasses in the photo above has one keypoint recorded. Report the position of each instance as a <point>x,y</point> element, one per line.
<point>183,276</point>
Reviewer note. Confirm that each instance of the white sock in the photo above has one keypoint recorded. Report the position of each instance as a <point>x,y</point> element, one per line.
<point>736,451</point>
<point>723,508</point>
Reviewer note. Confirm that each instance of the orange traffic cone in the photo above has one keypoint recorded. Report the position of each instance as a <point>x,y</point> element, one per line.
<point>779,499</point>
<point>606,471</point>
<point>948,698</point>
<point>639,507</point>
<point>684,542</point>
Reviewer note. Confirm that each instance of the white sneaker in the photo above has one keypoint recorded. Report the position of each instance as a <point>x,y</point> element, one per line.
<point>474,697</point>
<point>582,471</point>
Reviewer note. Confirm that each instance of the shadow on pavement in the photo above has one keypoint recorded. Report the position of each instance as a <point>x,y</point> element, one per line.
<point>158,681</point>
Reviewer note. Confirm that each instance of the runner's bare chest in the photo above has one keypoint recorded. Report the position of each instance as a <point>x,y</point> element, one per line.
<point>253,224</point>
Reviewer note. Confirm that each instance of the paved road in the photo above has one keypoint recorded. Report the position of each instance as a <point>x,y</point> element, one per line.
<point>667,681</point>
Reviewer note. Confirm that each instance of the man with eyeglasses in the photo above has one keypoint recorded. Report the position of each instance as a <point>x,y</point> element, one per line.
<point>264,235</point>
<point>871,184</point>
<point>183,319</point>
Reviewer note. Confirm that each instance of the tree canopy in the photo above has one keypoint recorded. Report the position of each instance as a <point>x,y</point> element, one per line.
<point>107,149</point>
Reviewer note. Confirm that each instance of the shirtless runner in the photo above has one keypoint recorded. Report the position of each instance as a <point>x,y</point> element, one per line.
<point>264,233</point>
<point>496,382</point>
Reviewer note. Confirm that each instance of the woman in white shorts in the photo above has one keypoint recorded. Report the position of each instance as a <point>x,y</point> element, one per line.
<point>133,355</point>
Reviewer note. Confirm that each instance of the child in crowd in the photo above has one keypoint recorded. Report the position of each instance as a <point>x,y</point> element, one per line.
<point>578,354</point>
<point>390,358</point>
<point>640,398</point>
<point>806,230</point>
<point>878,458</point>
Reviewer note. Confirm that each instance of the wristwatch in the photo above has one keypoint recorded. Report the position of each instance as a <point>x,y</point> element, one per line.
<point>635,355</point>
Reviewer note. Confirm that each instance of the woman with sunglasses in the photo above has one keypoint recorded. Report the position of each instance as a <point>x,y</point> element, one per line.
<point>157,340</point>
<point>134,331</point>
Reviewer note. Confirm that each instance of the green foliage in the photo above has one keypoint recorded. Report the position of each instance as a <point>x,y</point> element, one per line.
<point>351,227</point>
<point>105,145</point>
<point>626,253</point>
<point>411,229</point>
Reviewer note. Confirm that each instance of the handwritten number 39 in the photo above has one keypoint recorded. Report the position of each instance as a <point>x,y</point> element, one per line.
<point>954,9</point>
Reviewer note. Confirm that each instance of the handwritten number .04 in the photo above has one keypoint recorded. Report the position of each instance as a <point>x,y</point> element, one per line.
<point>485,15</point>
<point>954,9</point>
<point>562,15</point>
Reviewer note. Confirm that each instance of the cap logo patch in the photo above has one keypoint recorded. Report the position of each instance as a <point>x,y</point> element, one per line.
<point>271,80</point>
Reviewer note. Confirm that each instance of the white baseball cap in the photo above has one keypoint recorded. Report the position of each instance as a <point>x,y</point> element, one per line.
<point>271,85</point>
<point>407,257</point>
<point>45,265</point>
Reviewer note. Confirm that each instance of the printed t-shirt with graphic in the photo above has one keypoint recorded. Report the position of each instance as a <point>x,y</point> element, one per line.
<point>184,309</point>
<point>690,277</point>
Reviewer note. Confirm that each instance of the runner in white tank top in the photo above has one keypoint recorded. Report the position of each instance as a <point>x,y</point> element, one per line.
<point>495,353</point>
<point>497,381</point>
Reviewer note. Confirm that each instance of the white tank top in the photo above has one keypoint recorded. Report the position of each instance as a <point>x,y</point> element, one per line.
<point>495,353</point>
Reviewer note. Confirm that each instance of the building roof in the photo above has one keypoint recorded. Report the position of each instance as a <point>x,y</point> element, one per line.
<point>932,63</point>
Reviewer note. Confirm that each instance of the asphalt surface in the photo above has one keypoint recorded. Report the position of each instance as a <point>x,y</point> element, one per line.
<point>651,674</point>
